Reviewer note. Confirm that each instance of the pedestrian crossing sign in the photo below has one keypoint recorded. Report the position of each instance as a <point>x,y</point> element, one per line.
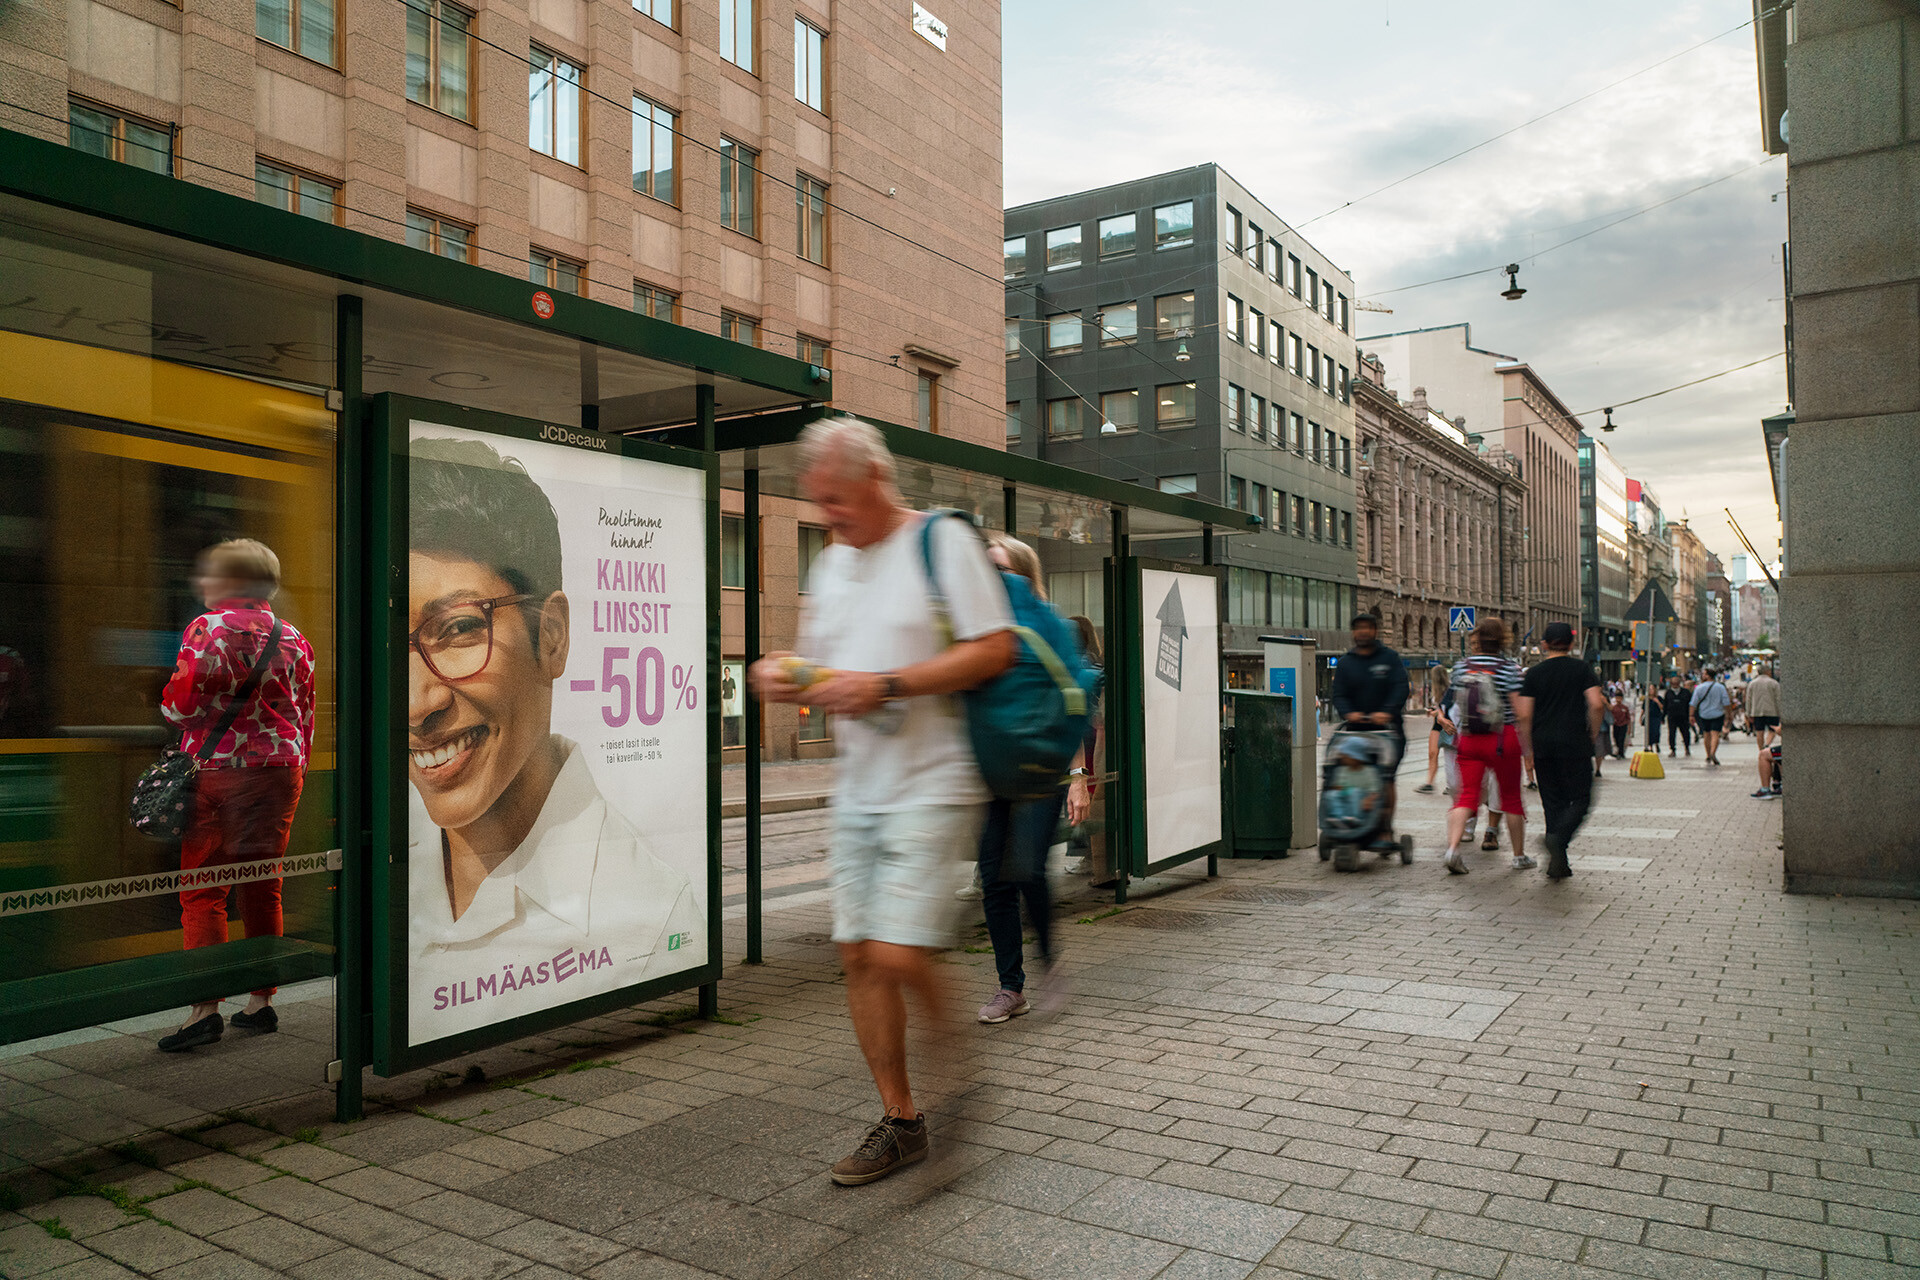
<point>1460,618</point>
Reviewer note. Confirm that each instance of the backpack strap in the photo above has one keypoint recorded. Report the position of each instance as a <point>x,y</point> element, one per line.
<point>242,694</point>
<point>942,615</point>
<point>1070,691</point>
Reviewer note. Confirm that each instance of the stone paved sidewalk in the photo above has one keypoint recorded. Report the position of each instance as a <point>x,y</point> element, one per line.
<point>1661,1068</point>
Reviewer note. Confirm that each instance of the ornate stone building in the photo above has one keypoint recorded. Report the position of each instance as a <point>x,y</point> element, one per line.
<point>1441,514</point>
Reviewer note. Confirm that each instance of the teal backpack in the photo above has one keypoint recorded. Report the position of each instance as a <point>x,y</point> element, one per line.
<point>1025,723</point>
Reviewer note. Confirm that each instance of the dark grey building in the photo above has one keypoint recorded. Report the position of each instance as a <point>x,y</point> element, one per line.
<point>1173,331</point>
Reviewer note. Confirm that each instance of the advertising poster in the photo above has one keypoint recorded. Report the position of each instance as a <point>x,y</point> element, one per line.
<point>1180,648</point>
<point>556,725</point>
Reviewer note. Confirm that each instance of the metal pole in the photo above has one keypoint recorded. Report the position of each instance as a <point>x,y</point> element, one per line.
<point>353,764</point>
<point>750,737</point>
<point>710,442</point>
<point>1121,697</point>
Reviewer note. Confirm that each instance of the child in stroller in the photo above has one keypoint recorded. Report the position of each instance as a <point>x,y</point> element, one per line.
<point>1353,798</point>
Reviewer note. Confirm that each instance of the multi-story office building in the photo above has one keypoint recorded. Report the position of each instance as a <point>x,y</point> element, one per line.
<point>1691,638</point>
<point>1605,589</point>
<point>1508,403</point>
<point>1175,332</point>
<point>1439,526</point>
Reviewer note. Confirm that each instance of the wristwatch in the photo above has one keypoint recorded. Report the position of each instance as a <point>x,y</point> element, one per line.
<point>1078,773</point>
<point>893,693</point>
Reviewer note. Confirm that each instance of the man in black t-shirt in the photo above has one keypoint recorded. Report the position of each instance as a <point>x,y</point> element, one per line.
<point>1567,705</point>
<point>1370,692</point>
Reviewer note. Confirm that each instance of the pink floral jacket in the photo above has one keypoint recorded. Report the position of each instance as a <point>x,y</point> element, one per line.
<point>217,651</point>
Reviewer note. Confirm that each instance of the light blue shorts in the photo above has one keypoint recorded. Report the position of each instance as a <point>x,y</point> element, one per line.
<point>894,874</point>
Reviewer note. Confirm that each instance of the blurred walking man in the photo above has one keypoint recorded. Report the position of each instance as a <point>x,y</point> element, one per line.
<point>1563,695</point>
<point>1763,717</point>
<point>1709,705</point>
<point>910,800</point>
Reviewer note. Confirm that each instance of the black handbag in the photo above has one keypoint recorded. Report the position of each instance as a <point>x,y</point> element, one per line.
<point>163,795</point>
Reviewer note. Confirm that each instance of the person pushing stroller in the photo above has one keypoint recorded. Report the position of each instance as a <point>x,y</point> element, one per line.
<point>1370,692</point>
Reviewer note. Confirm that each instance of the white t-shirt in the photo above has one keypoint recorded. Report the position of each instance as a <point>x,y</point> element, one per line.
<point>868,609</point>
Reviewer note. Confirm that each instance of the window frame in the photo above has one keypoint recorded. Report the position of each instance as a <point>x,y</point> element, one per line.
<point>434,11</point>
<point>1236,408</point>
<point>1166,331</point>
<point>806,347</point>
<point>1236,228</point>
<point>1106,418</point>
<point>1275,256</point>
<point>803,563</point>
<point>1167,422</point>
<point>1277,333</point>
<point>731,324</point>
<point>733,566</point>
<point>810,205</point>
<point>551,265</point>
<point>1256,331</point>
<point>1063,318</point>
<point>1064,409</point>
<point>436,230</point>
<point>809,60</point>
<point>117,138</point>
<point>1107,338</point>
<point>1294,266</point>
<point>1133,236</point>
<point>1256,246</point>
<point>1016,421</point>
<point>1004,255</point>
<point>1079,248</point>
<point>730,33</point>
<point>293,190</point>
<point>656,294</point>
<point>1185,485</point>
<point>650,120</point>
<point>927,401</point>
<point>293,11</point>
<point>1014,348</point>
<point>736,157</point>
<point>1174,239</point>
<point>651,8</point>
<point>560,84</point>
<point>1256,416</point>
<point>1236,318</point>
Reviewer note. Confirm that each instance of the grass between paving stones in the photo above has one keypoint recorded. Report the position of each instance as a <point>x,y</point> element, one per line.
<point>1114,910</point>
<point>53,1228</point>
<point>308,1134</point>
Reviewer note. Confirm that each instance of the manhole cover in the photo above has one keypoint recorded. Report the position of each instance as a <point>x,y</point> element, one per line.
<point>1154,919</point>
<point>1270,896</point>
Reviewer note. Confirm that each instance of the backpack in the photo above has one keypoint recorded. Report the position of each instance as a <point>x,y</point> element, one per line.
<point>1482,706</point>
<point>1026,723</point>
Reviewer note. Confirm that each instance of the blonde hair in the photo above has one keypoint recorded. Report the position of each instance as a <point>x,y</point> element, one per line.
<point>247,560</point>
<point>1024,559</point>
<point>856,448</point>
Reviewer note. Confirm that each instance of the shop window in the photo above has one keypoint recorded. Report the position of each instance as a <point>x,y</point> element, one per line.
<point>554,272</point>
<point>815,725</point>
<point>654,139</point>
<point>439,53</point>
<point>553,105</point>
<point>733,704</point>
<point>99,132</point>
<point>739,179</point>
<point>438,236</point>
<point>810,218</point>
<point>661,304</point>
<point>304,26</point>
<point>295,192</point>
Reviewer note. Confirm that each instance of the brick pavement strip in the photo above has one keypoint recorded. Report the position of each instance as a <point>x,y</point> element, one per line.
<point>1661,1068</point>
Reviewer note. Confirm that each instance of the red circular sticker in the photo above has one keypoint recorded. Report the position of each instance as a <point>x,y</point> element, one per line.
<point>543,304</point>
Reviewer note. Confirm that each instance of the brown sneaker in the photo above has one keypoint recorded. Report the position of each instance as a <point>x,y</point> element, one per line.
<point>890,1145</point>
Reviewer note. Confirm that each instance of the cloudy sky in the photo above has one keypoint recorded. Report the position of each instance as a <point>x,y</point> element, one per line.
<point>1313,105</point>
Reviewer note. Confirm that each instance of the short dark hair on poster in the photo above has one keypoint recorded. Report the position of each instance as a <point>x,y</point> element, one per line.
<point>467,501</point>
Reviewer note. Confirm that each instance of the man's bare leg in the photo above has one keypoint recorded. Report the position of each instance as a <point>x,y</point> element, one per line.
<point>878,975</point>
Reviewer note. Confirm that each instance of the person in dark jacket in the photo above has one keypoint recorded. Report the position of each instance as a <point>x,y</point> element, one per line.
<point>1677,702</point>
<point>1370,692</point>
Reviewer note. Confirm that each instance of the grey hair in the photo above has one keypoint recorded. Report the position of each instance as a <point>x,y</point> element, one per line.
<point>857,447</point>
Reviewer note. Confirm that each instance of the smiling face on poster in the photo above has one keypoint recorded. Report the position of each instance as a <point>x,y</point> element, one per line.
<point>1180,682</point>
<point>556,726</point>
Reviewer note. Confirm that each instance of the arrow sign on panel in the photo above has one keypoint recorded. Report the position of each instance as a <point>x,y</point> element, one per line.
<point>1173,635</point>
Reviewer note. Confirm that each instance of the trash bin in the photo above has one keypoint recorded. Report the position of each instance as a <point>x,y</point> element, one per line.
<point>1259,773</point>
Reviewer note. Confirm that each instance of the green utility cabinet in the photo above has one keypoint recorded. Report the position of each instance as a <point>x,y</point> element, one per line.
<point>1259,758</point>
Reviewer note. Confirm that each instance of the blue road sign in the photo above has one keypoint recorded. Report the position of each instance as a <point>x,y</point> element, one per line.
<point>1460,618</point>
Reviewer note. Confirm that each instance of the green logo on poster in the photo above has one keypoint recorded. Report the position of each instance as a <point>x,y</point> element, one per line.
<point>675,940</point>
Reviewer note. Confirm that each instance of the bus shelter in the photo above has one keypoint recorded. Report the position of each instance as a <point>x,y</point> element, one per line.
<point>180,366</point>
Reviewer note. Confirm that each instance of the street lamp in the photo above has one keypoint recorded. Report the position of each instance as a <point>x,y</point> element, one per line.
<point>1513,292</point>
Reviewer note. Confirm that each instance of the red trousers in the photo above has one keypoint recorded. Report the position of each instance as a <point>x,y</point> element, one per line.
<point>239,815</point>
<point>1475,753</point>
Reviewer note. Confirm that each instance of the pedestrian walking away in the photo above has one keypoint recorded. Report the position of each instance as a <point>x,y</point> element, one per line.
<point>1652,710</point>
<point>1709,706</point>
<point>1562,698</point>
<point>1763,717</point>
<point>909,797</point>
<point>1439,741</point>
<point>1370,692</point>
<point>1676,703</point>
<point>1493,737</point>
<point>1622,724</point>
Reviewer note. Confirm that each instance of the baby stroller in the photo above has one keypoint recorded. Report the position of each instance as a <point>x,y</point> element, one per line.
<point>1351,813</point>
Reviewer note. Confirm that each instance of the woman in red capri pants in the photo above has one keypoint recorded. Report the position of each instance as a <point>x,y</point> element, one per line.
<point>249,786</point>
<point>1500,743</point>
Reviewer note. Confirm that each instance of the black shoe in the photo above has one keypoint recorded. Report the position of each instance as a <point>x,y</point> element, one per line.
<point>1557,868</point>
<point>264,1021</point>
<point>206,1031</point>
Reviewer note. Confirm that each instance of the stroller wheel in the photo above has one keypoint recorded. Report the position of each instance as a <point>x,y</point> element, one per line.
<point>1346,858</point>
<point>1326,848</point>
<point>1406,850</point>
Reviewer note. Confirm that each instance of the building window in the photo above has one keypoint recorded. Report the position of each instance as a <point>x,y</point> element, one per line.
<point>661,304</point>
<point>438,236</point>
<point>1257,416</point>
<point>738,180</point>
<point>928,402</point>
<point>1346,386</point>
<point>1173,225</point>
<point>1116,236</point>
<point>1276,336</point>
<point>1293,353</point>
<point>1277,518</point>
<point>1016,422</point>
<point>814,351</point>
<point>816,725</point>
<point>552,271</point>
<point>1179,484</point>
<point>1313,364</point>
<point>1296,439</point>
<point>736,33</point>
<point>1346,529</point>
<point>1174,405</point>
<point>1063,418</point>
<point>1293,275</point>
<point>1256,241</point>
<point>1236,493</point>
<point>733,551</point>
<point>1259,504</point>
<point>1119,323</point>
<point>810,64</point>
<point>439,51</point>
<point>1236,408</point>
<point>1236,229</point>
<point>1312,294</point>
<point>1313,521</point>
<point>1326,374</point>
<point>116,137</point>
<point>1274,259</point>
<point>1173,315</point>
<point>1063,248</point>
<point>1013,257</point>
<point>553,105</point>
<point>1345,315</point>
<point>738,328</point>
<point>1373,538</point>
<point>810,218</point>
<point>295,192</point>
<point>1299,516</point>
<point>813,541</point>
<point>1256,332</point>
<point>660,11</point>
<point>304,26</point>
<point>653,149</point>
<point>1276,424</point>
<point>1119,411</point>
<point>1236,317</point>
<point>1063,331</point>
<point>1346,456</point>
<point>1326,298</point>
<point>1013,337</point>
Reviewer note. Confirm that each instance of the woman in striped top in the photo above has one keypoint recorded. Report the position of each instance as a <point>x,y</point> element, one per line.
<point>1493,734</point>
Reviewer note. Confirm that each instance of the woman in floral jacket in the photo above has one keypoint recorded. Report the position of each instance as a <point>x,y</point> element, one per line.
<point>249,784</point>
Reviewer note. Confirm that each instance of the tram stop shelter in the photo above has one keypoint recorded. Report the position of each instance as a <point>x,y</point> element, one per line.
<point>180,365</point>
